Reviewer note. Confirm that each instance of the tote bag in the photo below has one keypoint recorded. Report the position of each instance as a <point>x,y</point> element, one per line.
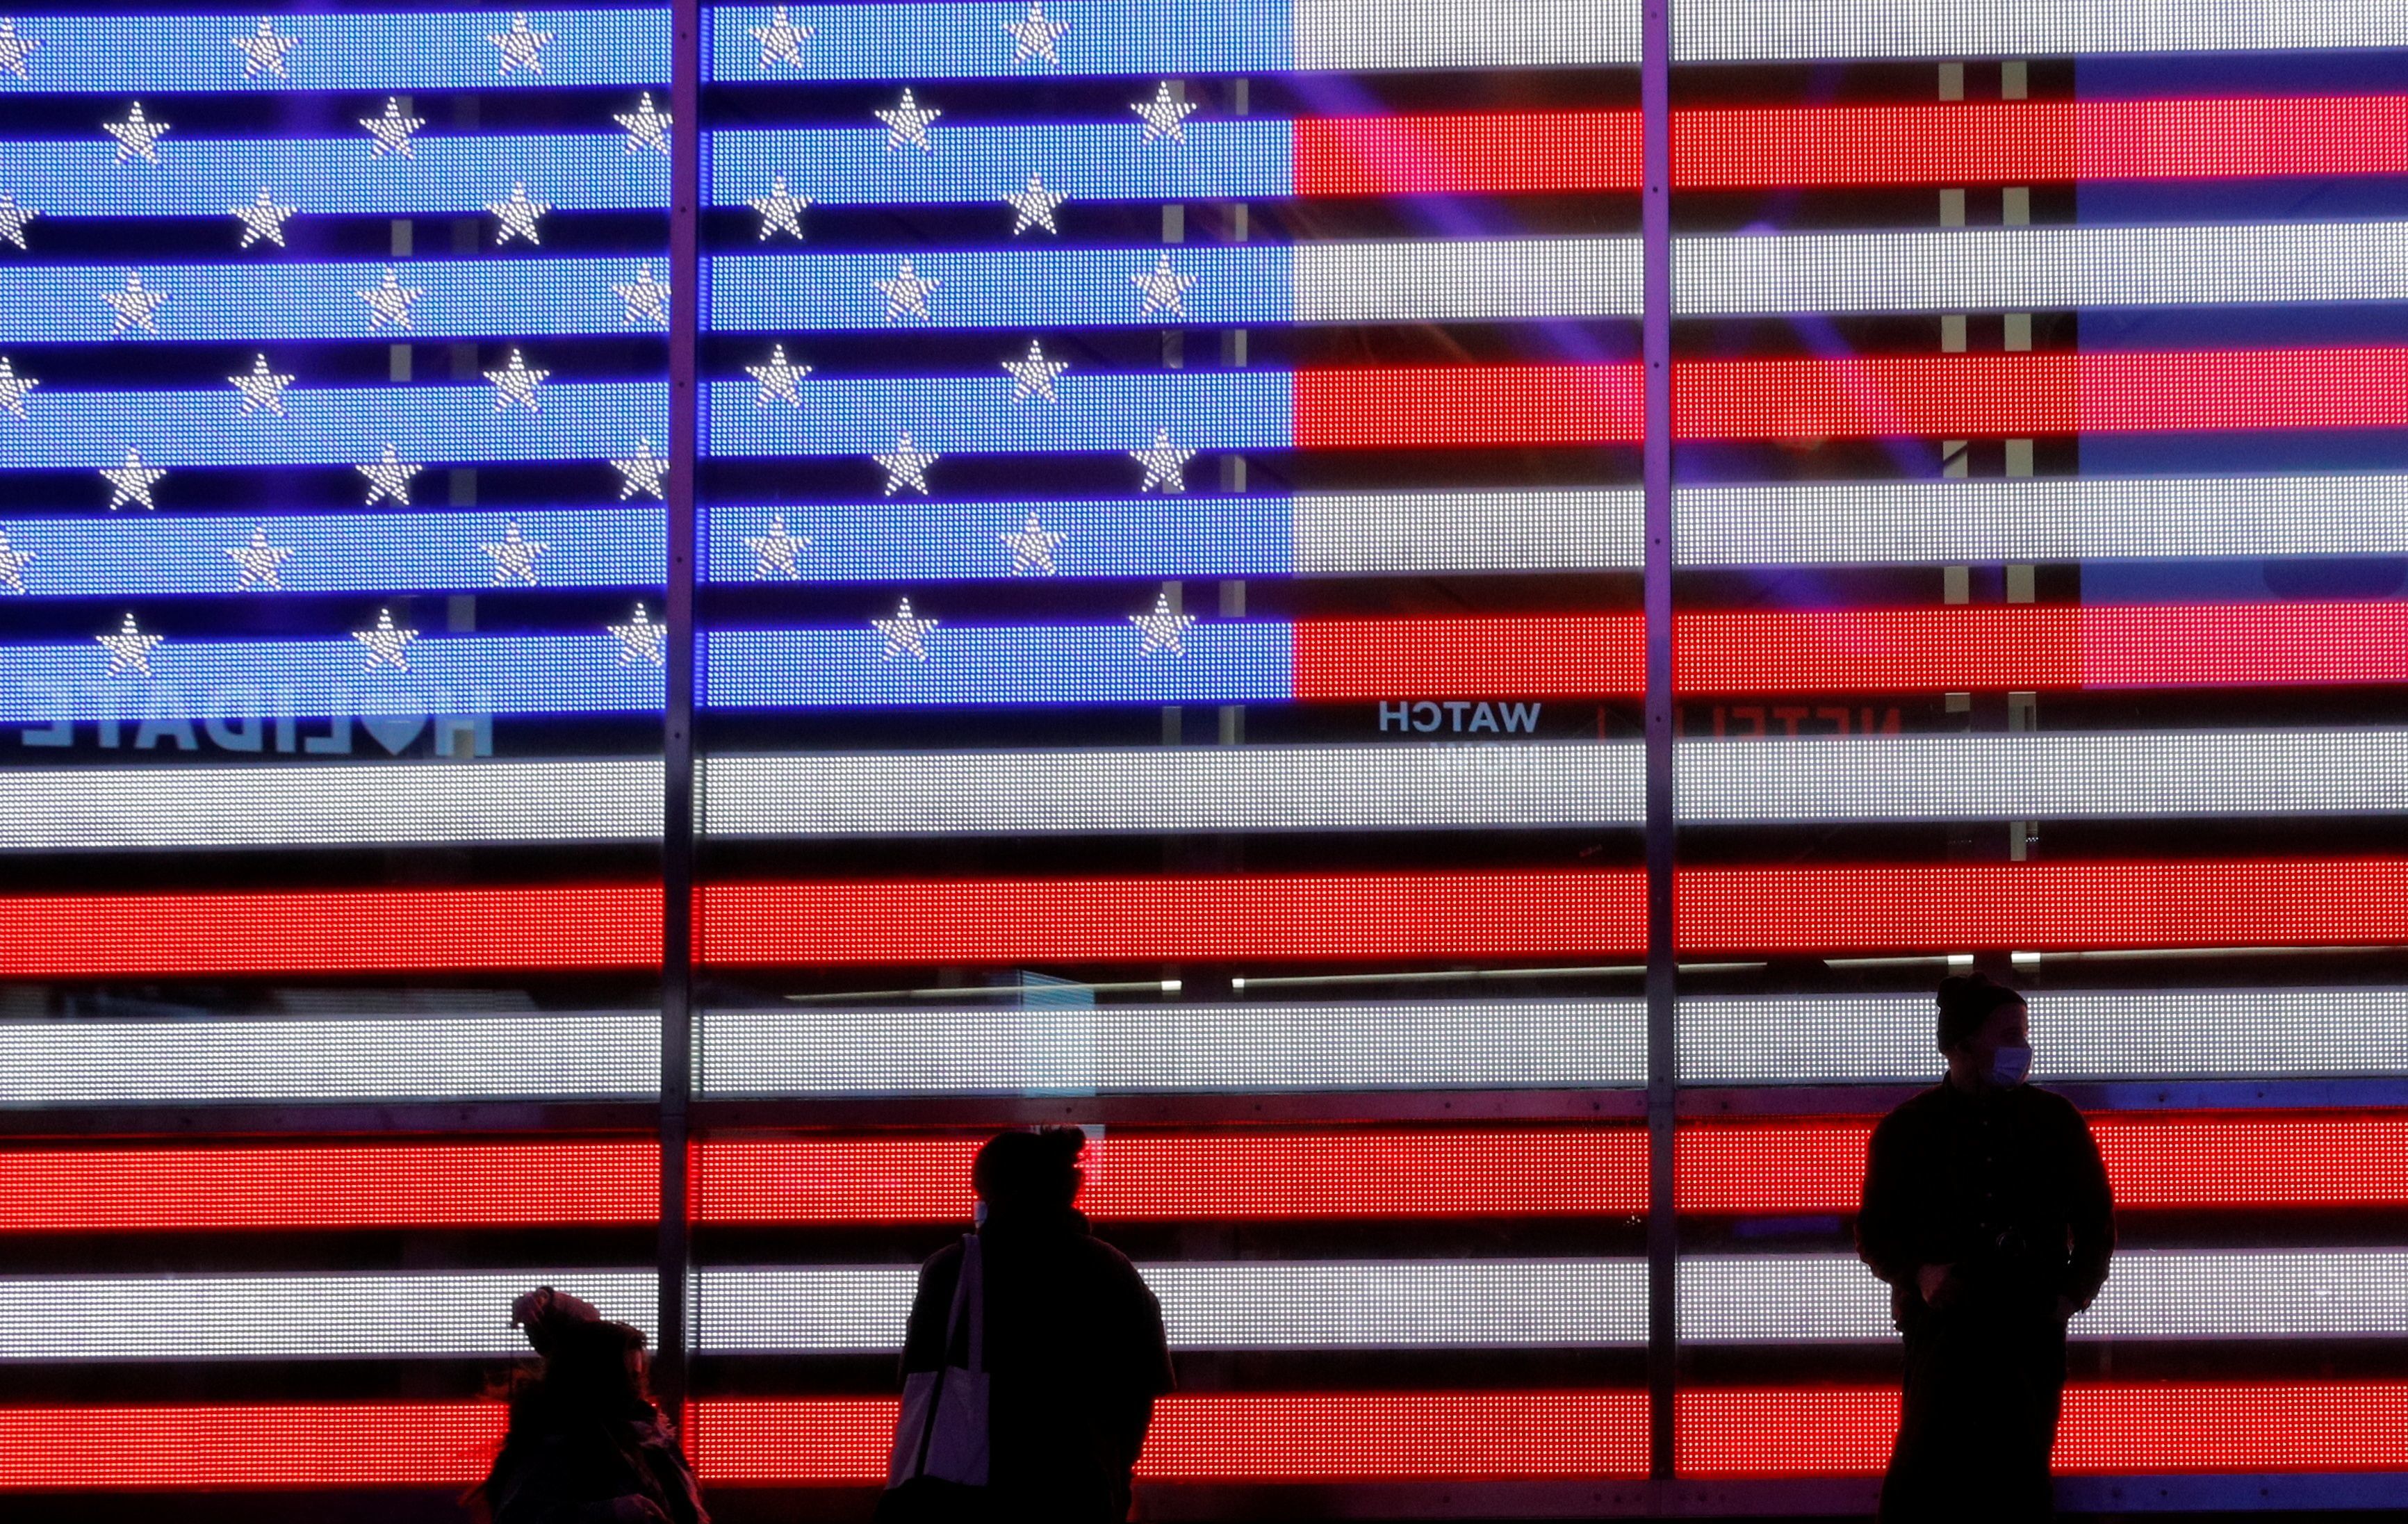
<point>939,1468</point>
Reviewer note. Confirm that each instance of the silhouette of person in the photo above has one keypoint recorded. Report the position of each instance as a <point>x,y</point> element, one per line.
<point>1987,1209</point>
<point>585,1443</point>
<point>1074,1344</point>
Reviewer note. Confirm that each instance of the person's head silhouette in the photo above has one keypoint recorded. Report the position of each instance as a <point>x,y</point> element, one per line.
<point>587,1363</point>
<point>1029,1173</point>
<point>1984,1032</point>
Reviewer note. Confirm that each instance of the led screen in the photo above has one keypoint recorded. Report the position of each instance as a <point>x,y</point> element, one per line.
<point>334,463</point>
<point>1104,567</point>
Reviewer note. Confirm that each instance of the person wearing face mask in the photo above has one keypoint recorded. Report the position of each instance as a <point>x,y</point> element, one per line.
<point>1987,1211</point>
<point>1071,1338</point>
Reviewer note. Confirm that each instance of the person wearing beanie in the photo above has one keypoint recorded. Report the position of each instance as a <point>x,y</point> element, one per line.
<point>1074,1342</point>
<point>585,1443</point>
<point>1987,1209</point>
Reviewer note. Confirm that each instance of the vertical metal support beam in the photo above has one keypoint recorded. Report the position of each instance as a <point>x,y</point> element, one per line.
<point>1663,1055</point>
<point>2014,210</point>
<point>686,161</point>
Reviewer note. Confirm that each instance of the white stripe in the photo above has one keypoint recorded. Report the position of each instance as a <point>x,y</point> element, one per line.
<point>2068,776</point>
<point>1560,784</point>
<point>1194,789</point>
<point>366,804</point>
<point>1376,533</point>
<point>1365,35</point>
<point>1431,281</point>
<point>1495,777</point>
<point>2150,1294</point>
<point>2083,1035</point>
<point>1859,1038</point>
<point>2248,264</point>
<point>1858,522</point>
<point>1480,1304</point>
<point>1490,1303</point>
<point>2044,519</point>
<point>462,1314</point>
<point>1467,1305</point>
<point>2044,267</point>
<point>1734,31</point>
<point>1158,1048</point>
<point>1405,1046</point>
<point>514,1056</point>
<point>834,1309</point>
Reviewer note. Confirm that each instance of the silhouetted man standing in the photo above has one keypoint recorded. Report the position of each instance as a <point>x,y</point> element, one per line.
<point>1986,1210</point>
<point>1074,1339</point>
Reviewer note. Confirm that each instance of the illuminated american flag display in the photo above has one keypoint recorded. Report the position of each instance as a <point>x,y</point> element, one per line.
<point>1162,536</point>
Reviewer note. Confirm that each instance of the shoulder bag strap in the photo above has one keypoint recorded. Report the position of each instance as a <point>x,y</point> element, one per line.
<point>969,1299</point>
<point>966,1302</point>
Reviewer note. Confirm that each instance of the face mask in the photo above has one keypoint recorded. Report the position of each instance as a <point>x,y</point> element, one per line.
<point>2009,1067</point>
<point>978,1213</point>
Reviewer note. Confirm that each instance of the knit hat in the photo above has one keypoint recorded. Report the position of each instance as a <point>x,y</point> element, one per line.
<point>1966,1001</point>
<point>1036,1169</point>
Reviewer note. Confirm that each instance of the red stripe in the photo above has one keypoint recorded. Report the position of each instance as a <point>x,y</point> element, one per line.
<point>2335,1425</point>
<point>2043,906</point>
<point>1223,919</point>
<point>2031,906</point>
<point>2195,1162</point>
<point>2212,645</point>
<point>1456,407</point>
<point>1555,1172</point>
<point>2019,646</point>
<point>331,931</point>
<point>328,1186</point>
<point>1267,1437</point>
<point>2033,646</point>
<point>1301,917</point>
<point>2016,142</point>
<point>1248,1437</point>
<point>1982,646</point>
<point>1766,148</point>
<point>2058,392</point>
<point>1471,152</point>
<point>1858,397</point>
<point>1543,656</point>
<point>319,1445</point>
<point>2210,1161</point>
<point>1136,1176</point>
